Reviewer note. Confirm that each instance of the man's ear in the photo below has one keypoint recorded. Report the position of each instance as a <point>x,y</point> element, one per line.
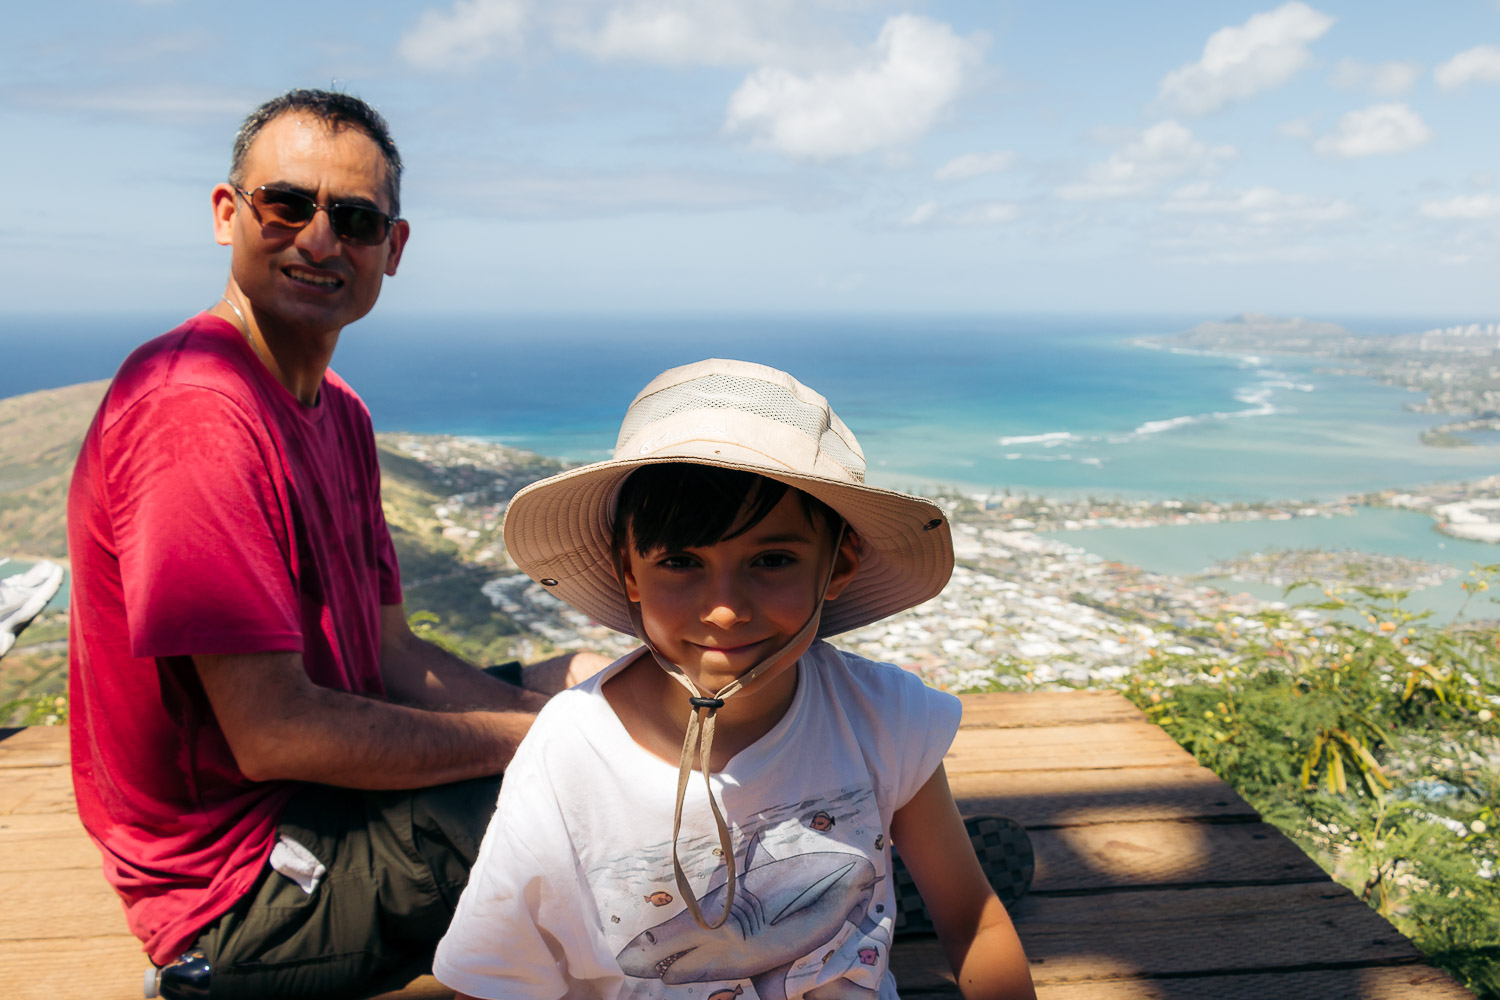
<point>399,233</point>
<point>845,565</point>
<point>226,203</point>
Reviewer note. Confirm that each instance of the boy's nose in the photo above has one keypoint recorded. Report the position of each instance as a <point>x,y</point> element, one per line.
<point>724,616</point>
<point>725,607</point>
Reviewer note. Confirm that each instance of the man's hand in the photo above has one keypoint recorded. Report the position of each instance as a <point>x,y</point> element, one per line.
<point>562,672</point>
<point>420,674</point>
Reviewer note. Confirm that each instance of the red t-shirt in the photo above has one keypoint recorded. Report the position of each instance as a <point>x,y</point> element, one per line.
<point>210,512</point>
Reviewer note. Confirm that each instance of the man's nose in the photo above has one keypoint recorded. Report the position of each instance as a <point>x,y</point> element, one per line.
<point>317,239</point>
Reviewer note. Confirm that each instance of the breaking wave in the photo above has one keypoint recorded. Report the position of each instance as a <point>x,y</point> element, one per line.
<point>1050,439</point>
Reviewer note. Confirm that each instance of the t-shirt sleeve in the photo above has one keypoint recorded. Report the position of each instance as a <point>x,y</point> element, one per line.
<point>203,527</point>
<point>527,925</point>
<point>934,717</point>
<point>910,726</point>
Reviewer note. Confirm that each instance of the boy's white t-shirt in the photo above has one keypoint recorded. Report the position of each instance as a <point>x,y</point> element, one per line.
<point>573,893</point>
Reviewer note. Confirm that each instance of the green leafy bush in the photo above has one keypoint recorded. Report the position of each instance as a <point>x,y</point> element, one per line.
<point>1370,737</point>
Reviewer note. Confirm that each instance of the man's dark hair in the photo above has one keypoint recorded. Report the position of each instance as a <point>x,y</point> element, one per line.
<point>680,505</point>
<point>337,111</point>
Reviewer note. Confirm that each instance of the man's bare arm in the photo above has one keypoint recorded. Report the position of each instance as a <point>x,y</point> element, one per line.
<point>280,725</point>
<point>416,672</point>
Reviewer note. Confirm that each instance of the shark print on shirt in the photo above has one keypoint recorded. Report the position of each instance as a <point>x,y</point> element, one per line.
<point>804,921</point>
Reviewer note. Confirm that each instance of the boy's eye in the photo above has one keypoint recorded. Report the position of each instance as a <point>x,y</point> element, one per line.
<point>677,562</point>
<point>775,560</point>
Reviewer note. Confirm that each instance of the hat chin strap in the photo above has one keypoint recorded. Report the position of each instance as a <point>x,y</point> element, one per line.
<point>699,739</point>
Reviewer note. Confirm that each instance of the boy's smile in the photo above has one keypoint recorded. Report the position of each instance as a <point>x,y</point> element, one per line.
<point>718,610</point>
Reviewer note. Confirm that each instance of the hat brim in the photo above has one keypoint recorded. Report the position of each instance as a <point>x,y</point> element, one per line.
<point>559,530</point>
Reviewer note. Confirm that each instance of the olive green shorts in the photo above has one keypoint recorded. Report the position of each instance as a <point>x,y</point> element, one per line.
<point>396,864</point>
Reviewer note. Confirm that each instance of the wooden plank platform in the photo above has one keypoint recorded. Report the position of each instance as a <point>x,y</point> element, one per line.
<point>1154,880</point>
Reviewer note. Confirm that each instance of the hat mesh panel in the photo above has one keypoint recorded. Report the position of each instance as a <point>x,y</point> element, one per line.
<point>747,395</point>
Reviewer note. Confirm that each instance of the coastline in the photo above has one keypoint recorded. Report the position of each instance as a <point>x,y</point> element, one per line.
<point>1021,608</point>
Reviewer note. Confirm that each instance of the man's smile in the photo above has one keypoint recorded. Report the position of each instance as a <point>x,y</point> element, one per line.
<point>315,279</point>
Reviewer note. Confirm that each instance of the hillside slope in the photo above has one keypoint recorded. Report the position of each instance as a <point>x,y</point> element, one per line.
<point>39,437</point>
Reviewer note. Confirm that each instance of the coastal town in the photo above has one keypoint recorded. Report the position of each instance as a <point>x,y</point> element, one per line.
<point>1021,607</point>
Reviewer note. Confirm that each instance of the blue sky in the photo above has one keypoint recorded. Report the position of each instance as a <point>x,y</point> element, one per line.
<point>803,155</point>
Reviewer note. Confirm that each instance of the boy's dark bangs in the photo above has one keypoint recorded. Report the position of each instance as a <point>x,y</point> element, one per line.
<point>681,505</point>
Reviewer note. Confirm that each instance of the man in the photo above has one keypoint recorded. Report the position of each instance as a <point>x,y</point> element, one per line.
<point>249,709</point>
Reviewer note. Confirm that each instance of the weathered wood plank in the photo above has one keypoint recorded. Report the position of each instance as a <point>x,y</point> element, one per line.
<point>62,904</point>
<point>1013,709</point>
<point>1404,982</point>
<point>100,968</point>
<point>35,746</point>
<point>37,843</point>
<point>36,790</point>
<point>421,988</point>
<point>1400,982</point>
<point>1122,855</point>
<point>1183,790</point>
<point>1148,934</point>
<point>1132,743</point>
<point>1114,803</point>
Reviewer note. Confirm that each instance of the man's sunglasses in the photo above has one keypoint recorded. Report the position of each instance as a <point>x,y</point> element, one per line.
<point>281,209</point>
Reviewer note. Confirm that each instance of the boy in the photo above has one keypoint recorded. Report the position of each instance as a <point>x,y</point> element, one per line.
<point>731,530</point>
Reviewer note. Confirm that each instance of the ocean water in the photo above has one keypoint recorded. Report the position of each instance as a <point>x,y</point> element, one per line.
<point>1036,404</point>
<point>1190,549</point>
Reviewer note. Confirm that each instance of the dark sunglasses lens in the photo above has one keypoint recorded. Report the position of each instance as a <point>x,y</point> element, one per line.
<point>283,208</point>
<point>355,224</point>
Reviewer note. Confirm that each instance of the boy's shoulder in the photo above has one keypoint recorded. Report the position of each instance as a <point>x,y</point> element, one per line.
<point>875,677</point>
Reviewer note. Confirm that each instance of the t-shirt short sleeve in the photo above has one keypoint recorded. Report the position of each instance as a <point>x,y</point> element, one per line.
<point>203,527</point>
<point>910,725</point>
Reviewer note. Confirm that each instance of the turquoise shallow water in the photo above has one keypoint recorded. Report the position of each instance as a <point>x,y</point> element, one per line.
<point>1189,549</point>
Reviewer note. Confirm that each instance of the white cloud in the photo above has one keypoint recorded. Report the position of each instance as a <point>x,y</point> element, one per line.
<point>915,71</point>
<point>1163,152</point>
<point>463,36</point>
<point>699,33</point>
<point>921,215</point>
<point>1386,79</point>
<point>1262,207</point>
<point>988,213</point>
<point>983,213</point>
<point>975,165</point>
<point>1239,62</point>
<point>1298,128</point>
<point>1471,206</point>
<point>1481,64</point>
<point>1380,129</point>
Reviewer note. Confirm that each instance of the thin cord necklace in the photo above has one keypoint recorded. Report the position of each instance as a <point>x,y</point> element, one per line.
<point>244,327</point>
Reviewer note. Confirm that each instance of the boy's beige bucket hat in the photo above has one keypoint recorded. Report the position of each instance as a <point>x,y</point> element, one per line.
<point>735,415</point>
